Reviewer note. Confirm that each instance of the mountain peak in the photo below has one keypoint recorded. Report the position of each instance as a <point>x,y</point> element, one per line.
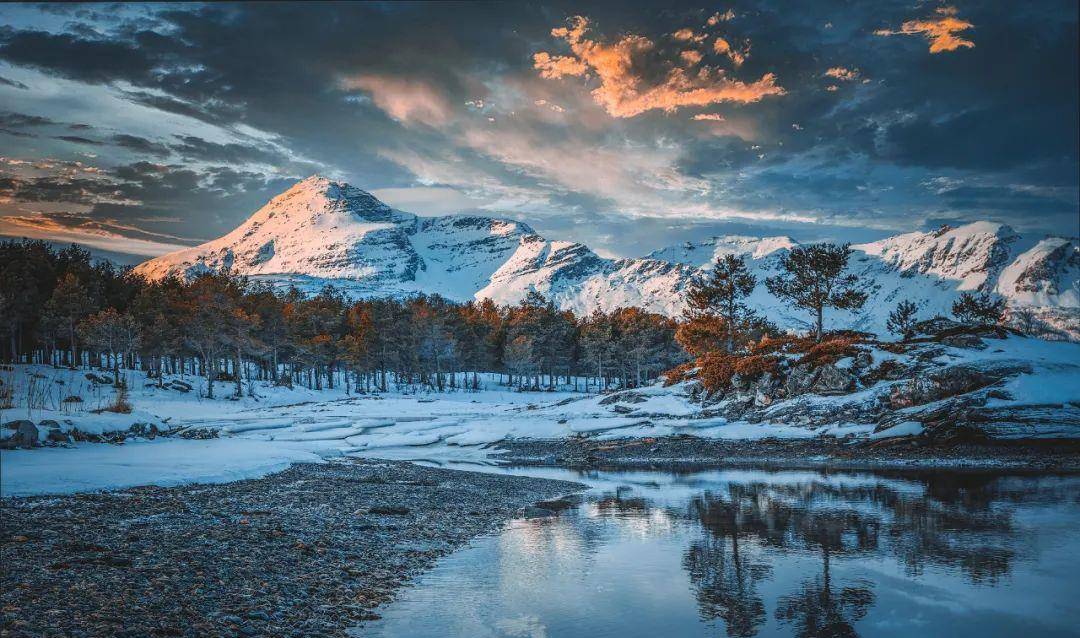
<point>318,197</point>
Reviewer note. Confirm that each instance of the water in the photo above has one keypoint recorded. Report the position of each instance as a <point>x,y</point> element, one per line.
<point>761,553</point>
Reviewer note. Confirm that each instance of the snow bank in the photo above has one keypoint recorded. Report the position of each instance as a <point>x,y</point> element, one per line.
<point>98,466</point>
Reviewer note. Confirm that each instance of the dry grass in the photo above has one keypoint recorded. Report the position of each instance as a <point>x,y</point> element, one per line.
<point>120,403</point>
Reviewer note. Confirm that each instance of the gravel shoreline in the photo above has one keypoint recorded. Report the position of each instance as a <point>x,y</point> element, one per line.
<point>687,452</point>
<point>310,551</point>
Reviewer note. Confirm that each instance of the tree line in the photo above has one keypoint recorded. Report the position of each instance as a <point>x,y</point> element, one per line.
<point>60,307</point>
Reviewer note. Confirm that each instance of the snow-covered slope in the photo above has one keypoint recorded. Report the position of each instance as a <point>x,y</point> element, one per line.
<point>320,231</point>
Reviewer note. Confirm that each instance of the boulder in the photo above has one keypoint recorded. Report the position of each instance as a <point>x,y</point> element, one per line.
<point>99,379</point>
<point>26,434</point>
<point>627,396</point>
<point>936,326</point>
<point>832,380</point>
<point>59,437</point>
<point>826,379</point>
<point>14,425</point>
<point>964,340</point>
<point>799,380</point>
<point>943,383</point>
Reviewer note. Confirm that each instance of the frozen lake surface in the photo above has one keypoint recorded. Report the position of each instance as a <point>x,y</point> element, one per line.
<point>762,553</point>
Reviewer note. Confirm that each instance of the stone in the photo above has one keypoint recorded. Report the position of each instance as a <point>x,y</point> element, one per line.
<point>532,511</point>
<point>627,396</point>
<point>832,380</point>
<point>936,326</point>
<point>99,379</point>
<point>26,435</point>
<point>148,430</point>
<point>947,382</point>
<point>964,340</point>
<point>57,436</point>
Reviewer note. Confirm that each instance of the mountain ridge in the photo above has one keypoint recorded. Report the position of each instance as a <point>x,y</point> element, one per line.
<point>320,231</point>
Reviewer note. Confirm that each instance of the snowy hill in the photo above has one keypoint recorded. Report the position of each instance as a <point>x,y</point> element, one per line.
<point>320,231</point>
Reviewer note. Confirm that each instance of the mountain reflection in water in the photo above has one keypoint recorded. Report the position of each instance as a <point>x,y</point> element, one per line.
<point>755,553</point>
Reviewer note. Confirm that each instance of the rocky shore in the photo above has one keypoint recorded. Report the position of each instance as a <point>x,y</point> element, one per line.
<point>688,452</point>
<point>310,551</point>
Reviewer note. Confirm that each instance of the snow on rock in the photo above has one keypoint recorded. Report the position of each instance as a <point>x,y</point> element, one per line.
<point>321,231</point>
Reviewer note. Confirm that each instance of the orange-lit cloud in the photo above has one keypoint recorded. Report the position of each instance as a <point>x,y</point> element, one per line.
<point>842,73</point>
<point>691,57</point>
<point>688,35</point>
<point>940,30</point>
<point>709,117</point>
<point>406,101</point>
<point>553,67</point>
<point>105,234</point>
<point>624,91</point>
<point>717,18</point>
<point>723,47</point>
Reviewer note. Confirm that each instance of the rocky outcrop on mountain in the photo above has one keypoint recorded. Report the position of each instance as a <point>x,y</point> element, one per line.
<point>321,231</point>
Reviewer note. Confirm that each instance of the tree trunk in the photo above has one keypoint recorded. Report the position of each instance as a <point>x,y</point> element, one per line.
<point>236,371</point>
<point>820,322</point>
<point>210,374</point>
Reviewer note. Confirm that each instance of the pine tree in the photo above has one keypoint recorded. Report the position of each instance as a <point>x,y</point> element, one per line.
<point>720,293</point>
<point>812,277</point>
<point>981,308</point>
<point>208,304</point>
<point>116,334</point>
<point>902,319</point>
<point>67,306</point>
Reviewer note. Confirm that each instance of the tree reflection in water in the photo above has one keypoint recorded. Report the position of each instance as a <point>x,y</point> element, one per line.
<point>962,522</point>
<point>726,587</point>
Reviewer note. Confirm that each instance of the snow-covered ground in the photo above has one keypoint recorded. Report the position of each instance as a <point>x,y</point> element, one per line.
<point>278,426</point>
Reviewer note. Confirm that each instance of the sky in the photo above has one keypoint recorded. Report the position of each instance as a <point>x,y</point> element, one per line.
<point>139,129</point>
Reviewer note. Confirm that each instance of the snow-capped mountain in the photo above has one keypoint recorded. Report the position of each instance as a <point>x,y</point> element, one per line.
<point>320,231</point>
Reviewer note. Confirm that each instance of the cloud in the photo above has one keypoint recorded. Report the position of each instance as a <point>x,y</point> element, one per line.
<point>103,234</point>
<point>88,60</point>
<point>709,117</point>
<point>940,30</point>
<point>553,67</point>
<point>717,18</point>
<point>842,73</point>
<point>76,139</point>
<point>140,145</point>
<point>688,35</point>
<point>14,120</point>
<point>691,57</point>
<point>723,47</point>
<point>625,91</point>
<point>405,100</point>
<point>14,83</point>
<point>196,148</point>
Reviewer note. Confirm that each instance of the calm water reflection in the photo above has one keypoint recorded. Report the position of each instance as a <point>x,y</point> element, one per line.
<point>755,553</point>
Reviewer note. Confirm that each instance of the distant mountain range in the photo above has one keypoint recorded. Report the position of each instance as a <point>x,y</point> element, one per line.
<point>321,231</point>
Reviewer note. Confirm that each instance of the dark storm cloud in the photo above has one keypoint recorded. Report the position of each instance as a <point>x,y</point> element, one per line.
<point>15,83</point>
<point>72,56</point>
<point>392,95</point>
<point>140,145</point>
<point>196,148</point>
<point>76,139</point>
<point>22,120</point>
